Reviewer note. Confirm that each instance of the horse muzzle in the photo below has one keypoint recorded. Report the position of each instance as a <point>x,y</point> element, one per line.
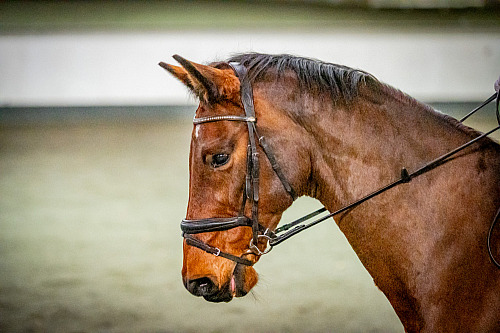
<point>239,284</point>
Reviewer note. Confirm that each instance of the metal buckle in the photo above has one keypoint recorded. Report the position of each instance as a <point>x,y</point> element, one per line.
<point>254,249</point>
<point>217,253</point>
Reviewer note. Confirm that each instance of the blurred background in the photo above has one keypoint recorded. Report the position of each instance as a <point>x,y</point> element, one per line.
<point>94,141</point>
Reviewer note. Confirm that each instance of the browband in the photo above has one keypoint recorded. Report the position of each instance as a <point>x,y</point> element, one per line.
<point>210,119</point>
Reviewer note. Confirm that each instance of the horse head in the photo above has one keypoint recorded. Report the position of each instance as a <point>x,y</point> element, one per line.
<point>221,186</point>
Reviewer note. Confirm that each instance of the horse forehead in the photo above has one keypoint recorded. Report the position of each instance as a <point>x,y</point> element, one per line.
<point>223,107</point>
<point>218,129</point>
<point>210,131</point>
<point>216,134</point>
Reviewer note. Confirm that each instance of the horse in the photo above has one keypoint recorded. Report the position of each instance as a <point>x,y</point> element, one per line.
<point>335,134</point>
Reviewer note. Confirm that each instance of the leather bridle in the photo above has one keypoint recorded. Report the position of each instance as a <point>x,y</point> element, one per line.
<point>251,190</point>
<point>251,187</point>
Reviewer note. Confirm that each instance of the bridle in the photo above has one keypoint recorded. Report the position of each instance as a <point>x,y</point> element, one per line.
<point>251,187</point>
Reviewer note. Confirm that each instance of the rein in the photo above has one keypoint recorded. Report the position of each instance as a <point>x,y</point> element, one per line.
<point>251,190</point>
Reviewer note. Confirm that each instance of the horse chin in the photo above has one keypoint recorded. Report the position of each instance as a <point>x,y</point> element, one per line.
<point>223,295</point>
<point>242,280</point>
<point>240,283</point>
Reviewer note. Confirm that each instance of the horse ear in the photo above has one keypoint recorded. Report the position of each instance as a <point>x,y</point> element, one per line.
<point>206,82</point>
<point>179,72</point>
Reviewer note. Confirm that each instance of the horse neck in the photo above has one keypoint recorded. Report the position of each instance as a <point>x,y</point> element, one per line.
<point>362,146</point>
<point>399,235</point>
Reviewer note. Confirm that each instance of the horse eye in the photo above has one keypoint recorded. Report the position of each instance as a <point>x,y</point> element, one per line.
<point>219,160</point>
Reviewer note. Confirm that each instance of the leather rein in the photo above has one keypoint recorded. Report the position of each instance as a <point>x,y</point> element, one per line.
<point>251,188</point>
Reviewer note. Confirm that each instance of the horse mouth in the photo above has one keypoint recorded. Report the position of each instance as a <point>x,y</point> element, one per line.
<point>233,288</point>
<point>222,296</point>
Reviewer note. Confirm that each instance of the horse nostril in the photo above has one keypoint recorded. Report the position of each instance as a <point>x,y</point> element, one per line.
<point>201,287</point>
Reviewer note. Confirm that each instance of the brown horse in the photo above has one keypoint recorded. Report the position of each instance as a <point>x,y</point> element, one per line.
<point>338,134</point>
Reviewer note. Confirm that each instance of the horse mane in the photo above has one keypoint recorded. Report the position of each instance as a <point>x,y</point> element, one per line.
<point>340,81</point>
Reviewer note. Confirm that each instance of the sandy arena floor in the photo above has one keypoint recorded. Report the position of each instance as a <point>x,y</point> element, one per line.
<point>90,242</point>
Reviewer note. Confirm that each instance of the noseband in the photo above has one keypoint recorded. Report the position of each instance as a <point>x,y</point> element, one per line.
<point>251,190</point>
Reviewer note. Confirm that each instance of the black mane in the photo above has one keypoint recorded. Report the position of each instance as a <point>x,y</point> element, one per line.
<point>340,81</point>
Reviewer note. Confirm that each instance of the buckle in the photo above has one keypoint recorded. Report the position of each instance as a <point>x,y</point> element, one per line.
<point>255,249</point>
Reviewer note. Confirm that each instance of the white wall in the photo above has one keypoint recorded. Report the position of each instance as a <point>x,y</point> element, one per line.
<point>121,69</point>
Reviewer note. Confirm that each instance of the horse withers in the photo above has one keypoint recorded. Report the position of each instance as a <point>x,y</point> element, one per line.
<point>270,128</point>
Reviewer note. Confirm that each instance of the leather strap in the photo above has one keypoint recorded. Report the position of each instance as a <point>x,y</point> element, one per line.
<point>216,224</point>
<point>211,224</point>
<point>253,167</point>
<point>276,167</point>
<point>190,240</point>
